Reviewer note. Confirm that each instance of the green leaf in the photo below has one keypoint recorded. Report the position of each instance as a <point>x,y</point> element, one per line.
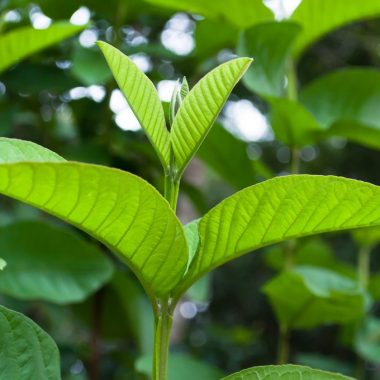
<point>367,237</point>
<point>142,98</point>
<point>241,13</point>
<point>50,263</point>
<point>292,123</point>
<point>201,107</point>
<point>119,209</point>
<point>181,367</point>
<point>26,351</point>
<point>280,209</point>
<point>319,296</point>
<point>270,45</point>
<point>238,172</point>
<point>367,340</point>
<point>25,41</point>
<point>285,372</point>
<point>319,17</point>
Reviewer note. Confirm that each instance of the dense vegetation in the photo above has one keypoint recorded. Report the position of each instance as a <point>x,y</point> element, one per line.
<point>135,189</point>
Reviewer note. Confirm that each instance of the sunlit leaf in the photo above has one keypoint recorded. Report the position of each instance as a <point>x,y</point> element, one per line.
<point>201,107</point>
<point>270,45</point>
<point>279,209</point>
<point>26,351</point>
<point>20,43</point>
<point>319,296</point>
<point>285,372</point>
<point>142,98</point>
<point>115,207</point>
<point>50,263</point>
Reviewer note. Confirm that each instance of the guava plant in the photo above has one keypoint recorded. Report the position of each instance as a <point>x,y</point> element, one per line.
<point>138,224</point>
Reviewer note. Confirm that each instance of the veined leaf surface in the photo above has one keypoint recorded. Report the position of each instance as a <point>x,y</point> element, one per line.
<point>119,209</point>
<point>26,351</point>
<point>285,372</point>
<point>201,107</point>
<point>142,98</point>
<point>279,209</point>
<point>24,41</point>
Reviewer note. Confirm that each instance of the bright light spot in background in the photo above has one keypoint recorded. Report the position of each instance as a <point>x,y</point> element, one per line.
<point>135,37</point>
<point>165,89</point>
<point>282,9</point>
<point>142,61</point>
<point>12,16</point>
<point>88,38</point>
<point>81,16</point>
<point>188,310</point>
<point>178,34</point>
<point>96,93</point>
<point>124,116</point>
<point>245,121</point>
<point>39,20</point>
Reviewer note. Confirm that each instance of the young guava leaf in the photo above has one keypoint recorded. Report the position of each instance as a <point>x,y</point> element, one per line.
<point>319,296</point>
<point>50,263</point>
<point>26,351</point>
<point>319,17</point>
<point>201,107</point>
<point>270,45</point>
<point>20,43</point>
<point>142,97</point>
<point>277,210</point>
<point>285,372</point>
<point>119,209</point>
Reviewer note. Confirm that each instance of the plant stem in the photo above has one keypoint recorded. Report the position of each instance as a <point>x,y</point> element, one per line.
<point>171,190</point>
<point>364,266</point>
<point>162,328</point>
<point>283,345</point>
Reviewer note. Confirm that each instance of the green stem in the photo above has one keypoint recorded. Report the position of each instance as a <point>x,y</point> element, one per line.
<point>171,190</point>
<point>162,328</point>
<point>283,345</point>
<point>364,266</point>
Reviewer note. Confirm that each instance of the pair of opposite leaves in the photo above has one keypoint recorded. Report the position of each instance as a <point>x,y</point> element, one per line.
<point>129,216</point>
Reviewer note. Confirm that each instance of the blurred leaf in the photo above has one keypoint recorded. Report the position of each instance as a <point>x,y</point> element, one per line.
<point>201,107</point>
<point>285,372</point>
<point>325,363</point>
<point>367,236</point>
<point>292,124</point>
<point>318,296</point>
<point>270,45</point>
<point>201,290</point>
<point>280,209</point>
<point>238,172</point>
<point>367,340</point>
<point>319,17</point>
<point>142,98</point>
<point>20,43</point>
<point>89,67</point>
<point>241,13</point>
<point>342,111</point>
<point>26,351</point>
<point>374,286</point>
<point>181,367</point>
<point>117,208</point>
<point>50,263</point>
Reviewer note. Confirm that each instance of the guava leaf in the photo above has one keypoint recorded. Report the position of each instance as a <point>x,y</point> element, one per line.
<point>20,43</point>
<point>201,107</point>
<point>142,97</point>
<point>285,372</point>
<point>277,210</point>
<point>50,263</point>
<point>115,207</point>
<point>26,351</point>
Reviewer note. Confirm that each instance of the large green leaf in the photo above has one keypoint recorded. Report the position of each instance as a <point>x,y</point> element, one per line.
<point>319,296</point>
<point>279,209</point>
<point>319,17</point>
<point>241,13</point>
<point>285,372</point>
<point>50,263</point>
<point>292,123</point>
<point>26,351</point>
<point>270,45</point>
<point>201,107</point>
<point>142,98</point>
<point>115,207</point>
<point>25,41</point>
